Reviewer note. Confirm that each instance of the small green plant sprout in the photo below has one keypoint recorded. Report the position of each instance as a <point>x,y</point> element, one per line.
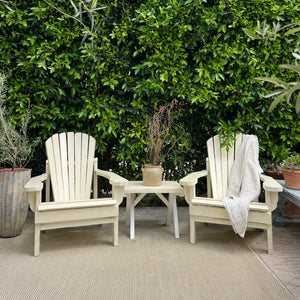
<point>271,166</point>
<point>4,3</point>
<point>292,162</point>
<point>89,8</point>
<point>285,89</point>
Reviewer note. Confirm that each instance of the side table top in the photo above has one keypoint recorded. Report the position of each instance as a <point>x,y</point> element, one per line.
<point>165,187</point>
<point>292,192</point>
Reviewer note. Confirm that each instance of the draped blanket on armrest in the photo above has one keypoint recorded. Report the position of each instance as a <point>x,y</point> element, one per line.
<point>244,184</point>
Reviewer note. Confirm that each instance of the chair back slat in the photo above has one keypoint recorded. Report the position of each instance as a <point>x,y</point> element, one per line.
<point>64,165</point>
<point>83,167</point>
<point>220,164</point>
<point>224,169</point>
<point>90,166</point>
<point>53,154</point>
<point>77,150</point>
<point>71,165</point>
<point>71,159</point>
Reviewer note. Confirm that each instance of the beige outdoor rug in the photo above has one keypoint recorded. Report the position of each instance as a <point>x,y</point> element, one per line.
<point>81,263</point>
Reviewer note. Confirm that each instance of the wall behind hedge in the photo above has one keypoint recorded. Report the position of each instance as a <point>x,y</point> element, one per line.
<point>142,55</point>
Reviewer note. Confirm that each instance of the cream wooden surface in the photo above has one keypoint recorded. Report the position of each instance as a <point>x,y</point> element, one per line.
<point>211,209</point>
<point>70,169</point>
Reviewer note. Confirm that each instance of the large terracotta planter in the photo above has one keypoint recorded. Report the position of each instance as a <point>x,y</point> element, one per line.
<point>13,201</point>
<point>152,175</point>
<point>292,178</point>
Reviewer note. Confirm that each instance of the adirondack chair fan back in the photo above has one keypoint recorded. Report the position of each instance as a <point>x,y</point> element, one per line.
<point>211,209</point>
<point>71,162</point>
<point>219,164</point>
<point>70,170</point>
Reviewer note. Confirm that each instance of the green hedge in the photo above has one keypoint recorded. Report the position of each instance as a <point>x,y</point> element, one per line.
<point>143,54</point>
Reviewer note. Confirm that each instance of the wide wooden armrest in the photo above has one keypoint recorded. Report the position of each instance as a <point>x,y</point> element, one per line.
<point>270,184</point>
<point>35,184</point>
<point>114,179</point>
<point>192,178</point>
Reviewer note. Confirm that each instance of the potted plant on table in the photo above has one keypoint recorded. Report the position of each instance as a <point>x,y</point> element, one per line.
<point>15,150</point>
<point>272,169</point>
<point>290,169</point>
<point>161,141</point>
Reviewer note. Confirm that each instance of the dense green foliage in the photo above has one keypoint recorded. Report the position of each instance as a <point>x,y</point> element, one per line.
<point>142,54</point>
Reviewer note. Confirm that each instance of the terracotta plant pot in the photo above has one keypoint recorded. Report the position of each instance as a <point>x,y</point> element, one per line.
<point>274,174</point>
<point>152,175</point>
<point>292,178</point>
<point>13,201</point>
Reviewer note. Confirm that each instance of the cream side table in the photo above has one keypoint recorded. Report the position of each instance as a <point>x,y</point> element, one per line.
<point>135,192</point>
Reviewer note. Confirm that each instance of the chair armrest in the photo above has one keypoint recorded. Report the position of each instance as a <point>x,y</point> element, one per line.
<point>270,184</point>
<point>35,184</point>
<point>113,178</point>
<point>34,189</point>
<point>192,178</point>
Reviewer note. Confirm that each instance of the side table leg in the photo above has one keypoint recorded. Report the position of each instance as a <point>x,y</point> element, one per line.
<point>175,217</point>
<point>132,219</point>
<point>278,219</point>
<point>170,209</point>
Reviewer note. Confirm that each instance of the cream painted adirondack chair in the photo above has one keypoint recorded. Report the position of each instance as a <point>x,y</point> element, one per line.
<point>210,209</point>
<point>71,168</point>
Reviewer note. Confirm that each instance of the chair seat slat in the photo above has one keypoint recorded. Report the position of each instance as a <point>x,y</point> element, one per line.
<point>76,204</point>
<point>218,203</point>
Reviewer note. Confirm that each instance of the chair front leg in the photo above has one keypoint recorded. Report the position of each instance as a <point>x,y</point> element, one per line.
<point>37,234</point>
<point>192,230</point>
<point>270,239</point>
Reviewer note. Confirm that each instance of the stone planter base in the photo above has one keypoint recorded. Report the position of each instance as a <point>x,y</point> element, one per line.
<point>13,201</point>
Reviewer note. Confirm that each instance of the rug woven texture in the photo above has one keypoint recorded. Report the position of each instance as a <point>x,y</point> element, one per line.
<point>81,263</point>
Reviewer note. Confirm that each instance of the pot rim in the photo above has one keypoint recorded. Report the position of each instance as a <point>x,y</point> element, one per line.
<point>152,166</point>
<point>15,170</point>
<point>289,170</point>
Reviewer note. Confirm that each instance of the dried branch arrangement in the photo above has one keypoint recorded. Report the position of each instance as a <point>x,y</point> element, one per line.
<point>161,140</point>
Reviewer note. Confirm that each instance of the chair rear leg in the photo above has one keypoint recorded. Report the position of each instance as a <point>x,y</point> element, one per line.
<point>37,234</point>
<point>192,230</point>
<point>116,232</point>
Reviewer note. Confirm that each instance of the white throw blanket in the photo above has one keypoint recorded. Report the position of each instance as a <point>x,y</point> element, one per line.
<point>244,184</point>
